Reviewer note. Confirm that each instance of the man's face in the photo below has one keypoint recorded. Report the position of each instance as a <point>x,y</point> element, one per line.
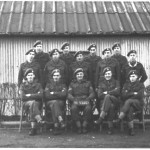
<point>133,77</point>
<point>30,77</point>
<point>79,57</point>
<point>39,48</point>
<point>66,50</point>
<point>132,57</point>
<point>107,54</point>
<point>55,56</point>
<point>30,56</point>
<point>93,51</point>
<point>79,76</point>
<point>117,50</point>
<point>56,76</point>
<point>108,75</point>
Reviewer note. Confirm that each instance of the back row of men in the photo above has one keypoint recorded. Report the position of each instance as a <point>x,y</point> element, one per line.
<point>82,79</point>
<point>43,64</point>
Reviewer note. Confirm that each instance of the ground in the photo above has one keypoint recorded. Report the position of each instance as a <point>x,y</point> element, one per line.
<point>11,138</point>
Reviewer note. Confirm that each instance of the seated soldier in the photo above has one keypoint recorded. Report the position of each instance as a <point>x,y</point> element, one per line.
<point>31,93</point>
<point>80,94</point>
<point>56,93</point>
<point>132,95</point>
<point>108,92</point>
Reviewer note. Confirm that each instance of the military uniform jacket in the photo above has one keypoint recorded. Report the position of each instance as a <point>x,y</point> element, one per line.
<point>59,89</point>
<point>138,67</point>
<point>35,89</point>
<point>110,62</point>
<point>86,69</point>
<point>129,88</point>
<point>24,66</point>
<point>112,87</point>
<point>51,65</point>
<point>93,61</point>
<point>80,91</point>
<point>42,58</point>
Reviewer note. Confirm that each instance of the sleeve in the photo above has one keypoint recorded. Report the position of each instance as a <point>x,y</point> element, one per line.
<point>143,74</point>
<point>90,71</point>
<point>20,76</point>
<point>61,94</point>
<point>100,91</point>
<point>117,71</point>
<point>47,92</point>
<point>116,91</point>
<point>46,74</point>
<point>91,93</point>
<point>70,93</point>
<point>97,75</point>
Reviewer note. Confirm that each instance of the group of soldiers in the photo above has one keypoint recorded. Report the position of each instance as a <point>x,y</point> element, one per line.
<point>115,82</point>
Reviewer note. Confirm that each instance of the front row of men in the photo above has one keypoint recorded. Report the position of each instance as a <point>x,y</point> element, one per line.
<point>81,95</point>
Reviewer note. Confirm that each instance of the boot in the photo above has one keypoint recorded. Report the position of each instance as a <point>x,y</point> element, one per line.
<point>99,121</point>
<point>56,129</point>
<point>78,124</point>
<point>84,130</point>
<point>110,131</point>
<point>131,132</point>
<point>33,132</point>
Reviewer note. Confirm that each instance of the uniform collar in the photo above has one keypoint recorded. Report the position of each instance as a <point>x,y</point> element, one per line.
<point>133,65</point>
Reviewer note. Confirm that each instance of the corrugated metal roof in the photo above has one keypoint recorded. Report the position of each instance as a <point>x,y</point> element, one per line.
<point>74,17</point>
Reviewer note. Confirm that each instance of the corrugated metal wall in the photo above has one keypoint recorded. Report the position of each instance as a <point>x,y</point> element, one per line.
<point>12,50</point>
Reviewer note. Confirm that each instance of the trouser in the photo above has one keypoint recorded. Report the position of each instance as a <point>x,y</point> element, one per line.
<point>33,107</point>
<point>57,109</point>
<point>109,104</point>
<point>87,112</point>
<point>129,107</point>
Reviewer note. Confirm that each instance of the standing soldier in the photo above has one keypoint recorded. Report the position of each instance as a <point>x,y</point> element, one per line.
<point>93,60</point>
<point>108,95</point>
<point>67,57</point>
<point>108,61</point>
<point>132,95</point>
<point>56,63</point>
<point>30,63</point>
<point>80,63</point>
<point>133,64</point>
<point>80,95</point>
<point>121,59</point>
<point>41,57</point>
<point>56,93</point>
<point>31,93</point>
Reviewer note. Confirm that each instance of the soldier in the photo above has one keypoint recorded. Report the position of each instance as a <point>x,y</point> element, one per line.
<point>31,93</point>
<point>41,57</point>
<point>121,59</point>
<point>56,93</point>
<point>108,93</point>
<point>80,95</point>
<point>108,61</point>
<point>67,57</point>
<point>56,63</point>
<point>30,63</point>
<point>133,64</point>
<point>80,63</point>
<point>132,95</point>
<point>93,60</point>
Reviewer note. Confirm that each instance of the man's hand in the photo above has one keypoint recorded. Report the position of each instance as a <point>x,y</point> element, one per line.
<point>105,92</point>
<point>51,92</point>
<point>135,93</point>
<point>75,102</point>
<point>28,95</point>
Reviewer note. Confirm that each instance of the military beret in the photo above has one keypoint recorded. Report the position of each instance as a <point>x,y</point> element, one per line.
<point>30,50</point>
<point>106,69</point>
<point>131,51</point>
<point>54,71</point>
<point>64,45</point>
<point>78,70</point>
<point>77,53</point>
<point>29,70</point>
<point>116,45</point>
<point>92,45</point>
<point>106,49</point>
<point>53,51</point>
<point>131,72</point>
<point>37,43</point>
